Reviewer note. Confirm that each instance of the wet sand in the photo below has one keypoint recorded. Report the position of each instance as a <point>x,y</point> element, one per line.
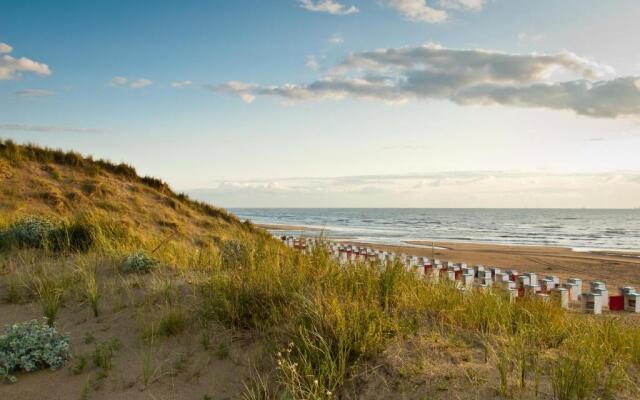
<point>278,227</point>
<point>613,268</point>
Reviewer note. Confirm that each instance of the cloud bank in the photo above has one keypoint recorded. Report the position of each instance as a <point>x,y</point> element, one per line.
<point>442,189</point>
<point>12,68</point>
<point>465,77</point>
<point>328,6</point>
<point>46,128</point>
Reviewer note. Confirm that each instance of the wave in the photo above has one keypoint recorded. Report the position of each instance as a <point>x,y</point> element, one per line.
<point>605,229</point>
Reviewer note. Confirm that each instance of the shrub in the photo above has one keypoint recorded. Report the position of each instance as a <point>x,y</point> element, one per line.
<point>30,346</point>
<point>139,262</point>
<point>29,232</point>
<point>41,232</point>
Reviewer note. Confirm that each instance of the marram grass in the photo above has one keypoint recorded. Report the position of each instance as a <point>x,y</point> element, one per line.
<point>323,323</point>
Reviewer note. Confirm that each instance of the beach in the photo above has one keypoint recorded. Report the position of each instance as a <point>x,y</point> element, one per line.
<point>615,268</point>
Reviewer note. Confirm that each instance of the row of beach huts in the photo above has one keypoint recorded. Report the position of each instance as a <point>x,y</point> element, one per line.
<point>568,294</point>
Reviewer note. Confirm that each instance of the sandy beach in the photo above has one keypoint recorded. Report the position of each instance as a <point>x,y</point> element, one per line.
<point>614,268</point>
<point>288,228</point>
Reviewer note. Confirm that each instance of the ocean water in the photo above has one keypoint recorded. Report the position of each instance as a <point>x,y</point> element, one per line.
<point>579,229</point>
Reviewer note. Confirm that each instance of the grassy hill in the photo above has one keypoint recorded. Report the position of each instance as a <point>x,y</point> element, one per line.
<point>166,298</point>
<point>48,182</point>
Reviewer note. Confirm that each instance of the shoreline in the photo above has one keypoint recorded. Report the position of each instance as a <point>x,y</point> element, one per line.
<point>614,267</point>
<point>422,243</point>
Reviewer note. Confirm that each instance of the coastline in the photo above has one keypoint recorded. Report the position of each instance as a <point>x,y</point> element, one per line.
<point>616,268</point>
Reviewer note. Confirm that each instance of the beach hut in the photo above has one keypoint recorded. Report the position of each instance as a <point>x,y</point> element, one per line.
<point>509,285</point>
<point>626,289</point>
<point>451,274</point>
<point>574,291</point>
<point>560,296</point>
<point>546,284</point>
<point>554,279</point>
<point>531,290</point>
<point>522,281</point>
<point>632,302</point>
<point>601,288</point>
<point>502,277</point>
<point>591,303</point>
<point>533,277</point>
<point>577,282</point>
<point>467,278</point>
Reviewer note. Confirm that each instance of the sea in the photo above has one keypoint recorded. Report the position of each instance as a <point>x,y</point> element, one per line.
<point>578,229</point>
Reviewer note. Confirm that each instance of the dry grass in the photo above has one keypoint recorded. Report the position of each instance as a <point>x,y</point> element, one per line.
<point>327,331</point>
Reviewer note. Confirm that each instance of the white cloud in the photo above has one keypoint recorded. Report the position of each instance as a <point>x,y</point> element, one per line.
<point>181,84</point>
<point>432,11</point>
<point>418,11</point>
<point>244,90</point>
<point>136,84</point>
<point>46,128</point>
<point>118,81</point>
<point>441,189</point>
<point>140,83</point>
<point>12,68</point>
<point>328,6</point>
<point>33,93</point>
<point>397,75</point>
<point>5,48</point>
<point>312,63</point>
<point>336,39</point>
<point>474,5</point>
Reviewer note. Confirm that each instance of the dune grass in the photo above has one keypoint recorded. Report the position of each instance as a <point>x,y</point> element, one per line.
<point>322,324</point>
<point>330,321</point>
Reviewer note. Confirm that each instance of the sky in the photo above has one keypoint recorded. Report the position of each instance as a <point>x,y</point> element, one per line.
<point>338,103</point>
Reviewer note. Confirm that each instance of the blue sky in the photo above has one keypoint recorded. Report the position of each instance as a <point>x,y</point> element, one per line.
<point>160,84</point>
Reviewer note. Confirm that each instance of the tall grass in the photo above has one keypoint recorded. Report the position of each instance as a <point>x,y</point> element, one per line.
<point>326,322</point>
<point>331,320</point>
<point>89,287</point>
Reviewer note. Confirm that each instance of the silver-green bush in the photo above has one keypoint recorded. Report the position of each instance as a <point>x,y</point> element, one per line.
<point>30,346</point>
<point>32,231</point>
<point>139,262</point>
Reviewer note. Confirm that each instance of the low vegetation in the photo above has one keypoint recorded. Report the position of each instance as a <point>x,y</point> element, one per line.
<point>302,326</point>
<point>30,346</point>
<point>138,262</point>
